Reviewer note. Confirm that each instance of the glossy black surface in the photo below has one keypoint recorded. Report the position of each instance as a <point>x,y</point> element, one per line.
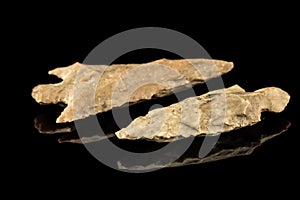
<point>260,40</point>
<point>240,142</point>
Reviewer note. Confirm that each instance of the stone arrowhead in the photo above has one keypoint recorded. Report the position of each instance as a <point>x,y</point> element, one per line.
<point>212,113</point>
<point>91,89</point>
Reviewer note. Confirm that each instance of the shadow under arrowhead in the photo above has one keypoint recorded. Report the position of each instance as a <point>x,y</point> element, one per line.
<point>45,124</point>
<point>239,142</point>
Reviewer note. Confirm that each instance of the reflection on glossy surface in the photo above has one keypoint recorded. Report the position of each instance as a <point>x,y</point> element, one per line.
<point>231,144</point>
<point>45,124</point>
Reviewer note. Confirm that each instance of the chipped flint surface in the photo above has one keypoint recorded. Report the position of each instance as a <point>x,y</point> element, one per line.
<point>192,116</point>
<point>94,85</point>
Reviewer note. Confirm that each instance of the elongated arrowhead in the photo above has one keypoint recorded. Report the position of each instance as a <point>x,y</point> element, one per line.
<point>212,113</point>
<point>91,89</point>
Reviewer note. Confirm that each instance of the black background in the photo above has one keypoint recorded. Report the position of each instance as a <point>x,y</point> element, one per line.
<point>259,40</point>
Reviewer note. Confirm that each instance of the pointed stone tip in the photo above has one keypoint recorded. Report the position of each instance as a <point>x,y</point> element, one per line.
<point>60,120</point>
<point>224,66</point>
